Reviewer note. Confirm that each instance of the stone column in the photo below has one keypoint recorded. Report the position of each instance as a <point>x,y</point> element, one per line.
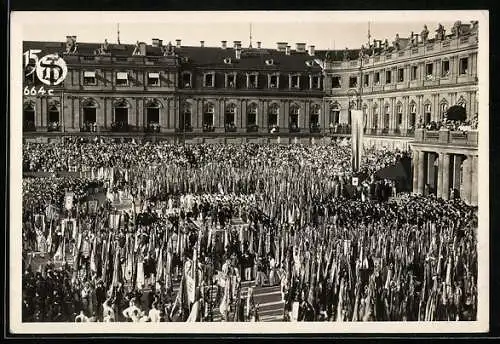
<point>439,188</point>
<point>474,182</point>
<point>466,179</point>
<point>421,172</point>
<point>76,118</point>
<point>445,192</point>
<point>100,113</point>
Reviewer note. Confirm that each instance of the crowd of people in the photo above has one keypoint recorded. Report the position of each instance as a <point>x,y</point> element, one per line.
<point>169,219</point>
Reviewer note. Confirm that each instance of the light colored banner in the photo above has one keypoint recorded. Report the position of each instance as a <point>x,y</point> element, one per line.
<point>356,138</point>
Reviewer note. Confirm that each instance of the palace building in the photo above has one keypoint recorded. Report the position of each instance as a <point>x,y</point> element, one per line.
<point>288,93</point>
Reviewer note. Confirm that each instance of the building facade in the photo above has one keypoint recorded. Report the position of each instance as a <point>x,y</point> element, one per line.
<point>232,93</point>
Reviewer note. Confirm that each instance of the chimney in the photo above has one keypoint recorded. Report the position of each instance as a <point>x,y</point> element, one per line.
<point>224,44</point>
<point>311,50</point>
<point>202,43</point>
<point>281,46</point>
<point>178,43</point>
<point>156,42</point>
<point>300,47</point>
<point>142,48</point>
<point>258,45</point>
<point>160,43</point>
<point>237,44</point>
<point>237,51</point>
<point>287,50</point>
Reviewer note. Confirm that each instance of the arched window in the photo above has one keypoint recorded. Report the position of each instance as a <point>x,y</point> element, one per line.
<point>230,117</point>
<point>252,118</point>
<point>293,119</point>
<point>387,117</point>
<point>335,113</point>
<point>412,120</point>
<point>53,116</point>
<point>314,118</point>
<point>185,121</point>
<point>153,115</point>
<point>273,116</point>
<point>427,113</point>
<point>208,117</point>
<point>443,107</point>
<point>399,111</point>
<point>120,107</point>
<point>29,116</point>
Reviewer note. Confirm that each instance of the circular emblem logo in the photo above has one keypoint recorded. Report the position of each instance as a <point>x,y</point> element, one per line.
<point>51,70</point>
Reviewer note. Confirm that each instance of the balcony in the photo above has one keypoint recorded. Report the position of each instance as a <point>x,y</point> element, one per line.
<point>186,129</point>
<point>120,127</point>
<point>230,128</point>
<point>152,128</point>
<point>53,126</point>
<point>273,129</point>
<point>89,127</point>
<point>29,126</point>
<point>314,128</point>
<point>446,136</point>
<point>207,128</point>
<point>252,128</point>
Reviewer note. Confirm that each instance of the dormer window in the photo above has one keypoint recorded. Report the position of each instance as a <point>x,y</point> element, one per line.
<point>122,79</point>
<point>429,71</point>
<point>252,80</point>
<point>295,81</point>
<point>353,81</point>
<point>414,72</point>
<point>388,76</point>
<point>89,78</point>
<point>231,80</point>
<point>153,79</point>
<point>445,68</point>
<point>336,82</point>
<point>274,81</point>
<point>463,66</point>
<point>186,80</point>
<point>270,62</point>
<point>227,60</point>
<point>209,80</point>
<point>315,82</point>
<point>401,75</point>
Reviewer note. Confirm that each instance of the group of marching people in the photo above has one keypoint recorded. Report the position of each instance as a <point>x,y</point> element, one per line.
<point>335,258</point>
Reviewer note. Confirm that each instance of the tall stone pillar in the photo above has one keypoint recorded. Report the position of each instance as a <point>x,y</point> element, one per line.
<point>421,172</point>
<point>415,171</point>
<point>439,188</point>
<point>474,181</point>
<point>445,193</point>
<point>466,180</point>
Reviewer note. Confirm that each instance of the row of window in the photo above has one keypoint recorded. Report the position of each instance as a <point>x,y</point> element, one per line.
<point>252,80</point>
<point>400,74</point>
<point>230,81</point>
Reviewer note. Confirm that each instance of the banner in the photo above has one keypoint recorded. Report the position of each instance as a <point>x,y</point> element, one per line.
<point>357,138</point>
<point>68,200</point>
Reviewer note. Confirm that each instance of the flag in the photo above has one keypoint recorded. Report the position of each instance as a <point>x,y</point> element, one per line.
<point>356,138</point>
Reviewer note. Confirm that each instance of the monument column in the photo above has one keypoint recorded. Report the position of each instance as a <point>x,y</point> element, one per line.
<point>445,192</point>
